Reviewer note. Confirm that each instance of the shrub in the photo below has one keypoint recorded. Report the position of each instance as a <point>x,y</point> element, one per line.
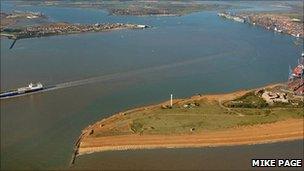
<point>137,127</point>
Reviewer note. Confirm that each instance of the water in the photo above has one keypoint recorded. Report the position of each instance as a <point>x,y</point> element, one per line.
<point>197,53</point>
<point>219,158</point>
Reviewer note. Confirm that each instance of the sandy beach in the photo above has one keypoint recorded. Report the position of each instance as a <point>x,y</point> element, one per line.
<point>281,131</point>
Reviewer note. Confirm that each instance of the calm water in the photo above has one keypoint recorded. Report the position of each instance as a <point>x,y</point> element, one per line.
<point>220,158</point>
<point>197,53</point>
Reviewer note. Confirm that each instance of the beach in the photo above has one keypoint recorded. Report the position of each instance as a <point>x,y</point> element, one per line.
<point>268,133</point>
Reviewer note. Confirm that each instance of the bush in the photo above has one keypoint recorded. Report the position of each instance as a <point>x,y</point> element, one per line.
<point>249,100</point>
<point>136,127</point>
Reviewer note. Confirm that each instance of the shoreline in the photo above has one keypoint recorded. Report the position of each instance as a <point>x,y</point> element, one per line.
<point>278,23</point>
<point>55,29</point>
<point>285,130</point>
<point>208,139</point>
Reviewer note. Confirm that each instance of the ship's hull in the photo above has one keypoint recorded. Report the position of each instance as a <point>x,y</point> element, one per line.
<point>17,93</point>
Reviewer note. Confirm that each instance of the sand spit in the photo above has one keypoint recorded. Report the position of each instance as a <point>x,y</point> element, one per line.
<point>289,129</point>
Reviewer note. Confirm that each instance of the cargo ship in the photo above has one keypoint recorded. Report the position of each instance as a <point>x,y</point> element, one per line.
<point>23,90</point>
<point>296,78</point>
<point>231,17</point>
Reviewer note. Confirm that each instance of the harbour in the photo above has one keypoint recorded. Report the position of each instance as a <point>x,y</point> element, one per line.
<point>277,23</point>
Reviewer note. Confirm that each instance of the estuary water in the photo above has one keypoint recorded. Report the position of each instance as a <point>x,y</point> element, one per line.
<point>196,53</point>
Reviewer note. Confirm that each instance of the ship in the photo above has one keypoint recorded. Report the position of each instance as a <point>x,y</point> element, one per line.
<point>296,77</point>
<point>231,17</point>
<point>22,90</point>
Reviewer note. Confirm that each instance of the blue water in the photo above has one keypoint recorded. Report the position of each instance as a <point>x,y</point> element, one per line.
<point>196,53</point>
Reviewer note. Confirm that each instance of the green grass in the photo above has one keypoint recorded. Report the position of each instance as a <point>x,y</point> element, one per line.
<point>249,100</point>
<point>208,116</point>
<point>190,116</point>
<point>137,127</point>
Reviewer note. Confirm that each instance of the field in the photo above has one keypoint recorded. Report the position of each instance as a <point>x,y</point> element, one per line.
<point>207,116</point>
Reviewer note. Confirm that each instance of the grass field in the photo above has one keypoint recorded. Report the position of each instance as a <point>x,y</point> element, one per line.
<point>198,114</point>
<point>207,116</point>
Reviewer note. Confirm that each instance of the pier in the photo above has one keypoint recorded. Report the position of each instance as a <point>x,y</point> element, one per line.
<point>12,45</point>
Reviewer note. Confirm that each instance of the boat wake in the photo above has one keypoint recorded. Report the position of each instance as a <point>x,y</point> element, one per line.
<point>126,75</point>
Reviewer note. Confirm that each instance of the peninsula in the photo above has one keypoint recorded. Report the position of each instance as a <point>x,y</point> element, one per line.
<point>63,29</point>
<point>268,114</point>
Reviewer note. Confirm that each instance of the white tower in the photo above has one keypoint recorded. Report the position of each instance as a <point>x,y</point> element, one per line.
<point>171,100</point>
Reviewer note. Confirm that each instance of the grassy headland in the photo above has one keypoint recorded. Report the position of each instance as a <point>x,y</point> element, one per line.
<point>197,117</point>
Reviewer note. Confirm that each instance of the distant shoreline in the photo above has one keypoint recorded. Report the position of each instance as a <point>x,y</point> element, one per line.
<point>54,29</point>
<point>289,129</point>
